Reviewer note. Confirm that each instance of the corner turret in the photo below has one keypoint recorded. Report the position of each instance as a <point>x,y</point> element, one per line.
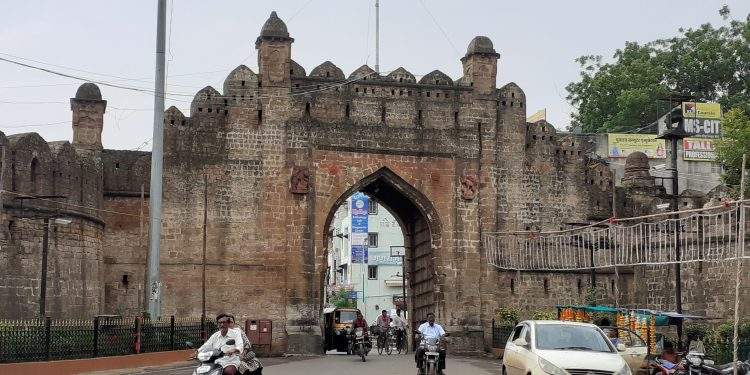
<point>274,53</point>
<point>88,117</point>
<point>480,65</point>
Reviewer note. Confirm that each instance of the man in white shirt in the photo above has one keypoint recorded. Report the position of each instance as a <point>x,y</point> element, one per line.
<point>430,329</point>
<point>229,362</point>
<point>399,324</point>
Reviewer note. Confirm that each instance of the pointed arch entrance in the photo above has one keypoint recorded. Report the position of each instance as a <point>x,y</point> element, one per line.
<point>421,229</point>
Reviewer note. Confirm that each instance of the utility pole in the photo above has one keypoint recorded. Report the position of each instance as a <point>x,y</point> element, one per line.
<point>205,234</point>
<point>377,36</point>
<point>738,274</point>
<point>157,151</point>
<point>675,132</point>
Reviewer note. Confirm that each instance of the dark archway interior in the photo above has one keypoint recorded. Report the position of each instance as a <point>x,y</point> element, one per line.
<point>400,199</point>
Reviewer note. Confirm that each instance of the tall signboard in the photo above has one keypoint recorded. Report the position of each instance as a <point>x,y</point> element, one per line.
<point>359,237</point>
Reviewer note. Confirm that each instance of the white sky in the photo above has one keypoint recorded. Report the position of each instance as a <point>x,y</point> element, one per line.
<point>538,41</point>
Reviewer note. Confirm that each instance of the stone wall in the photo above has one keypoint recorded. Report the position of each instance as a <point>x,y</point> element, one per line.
<point>279,152</point>
<point>70,187</point>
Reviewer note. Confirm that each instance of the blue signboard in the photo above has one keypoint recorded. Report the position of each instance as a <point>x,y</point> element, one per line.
<point>359,237</point>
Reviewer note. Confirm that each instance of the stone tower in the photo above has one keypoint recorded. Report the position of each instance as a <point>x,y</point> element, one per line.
<point>274,53</point>
<point>480,65</point>
<point>88,117</point>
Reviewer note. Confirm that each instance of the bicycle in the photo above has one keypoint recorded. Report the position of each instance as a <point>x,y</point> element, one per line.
<point>400,338</point>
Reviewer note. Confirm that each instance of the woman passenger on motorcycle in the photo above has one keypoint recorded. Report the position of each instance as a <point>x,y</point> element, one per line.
<point>230,362</point>
<point>249,363</point>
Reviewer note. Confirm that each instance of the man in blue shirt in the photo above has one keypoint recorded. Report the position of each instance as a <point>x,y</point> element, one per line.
<point>430,329</point>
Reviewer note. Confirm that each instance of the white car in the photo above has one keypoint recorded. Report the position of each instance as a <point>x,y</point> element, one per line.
<point>541,347</point>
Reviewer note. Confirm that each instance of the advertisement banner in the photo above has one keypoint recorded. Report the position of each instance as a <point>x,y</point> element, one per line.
<point>359,216</point>
<point>703,127</point>
<point>699,149</point>
<point>701,110</point>
<point>701,119</point>
<point>622,145</point>
<point>538,115</point>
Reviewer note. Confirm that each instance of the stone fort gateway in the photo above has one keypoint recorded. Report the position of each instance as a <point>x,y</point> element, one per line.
<point>271,156</point>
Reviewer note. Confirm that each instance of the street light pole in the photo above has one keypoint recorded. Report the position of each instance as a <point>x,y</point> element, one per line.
<point>675,132</point>
<point>157,155</point>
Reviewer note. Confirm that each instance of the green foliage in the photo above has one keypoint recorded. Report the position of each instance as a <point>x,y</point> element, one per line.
<point>696,331</point>
<point>712,64</point>
<point>718,340</point>
<point>506,317</point>
<point>729,150</point>
<point>341,299</point>
<point>591,296</point>
<point>544,315</point>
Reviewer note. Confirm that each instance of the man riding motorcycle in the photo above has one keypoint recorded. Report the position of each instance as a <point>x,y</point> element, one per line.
<point>360,322</point>
<point>230,363</point>
<point>430,329</point>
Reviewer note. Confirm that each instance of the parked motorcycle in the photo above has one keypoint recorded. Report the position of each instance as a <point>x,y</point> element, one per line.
<point>695,363</point>
<point>699,365</point>
<point>208,358</point>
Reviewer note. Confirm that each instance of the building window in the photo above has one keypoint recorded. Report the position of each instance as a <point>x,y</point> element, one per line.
<point>372,209</point>
<point>372,240</point>
<point>372,272</point>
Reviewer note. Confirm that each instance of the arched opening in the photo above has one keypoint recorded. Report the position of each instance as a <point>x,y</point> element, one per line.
<point>34,175</point>
<point>399,219</point>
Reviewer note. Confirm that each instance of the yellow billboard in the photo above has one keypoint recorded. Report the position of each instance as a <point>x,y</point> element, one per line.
<point>701,110</point>
<point>622,145</point>
<point>538,115</point>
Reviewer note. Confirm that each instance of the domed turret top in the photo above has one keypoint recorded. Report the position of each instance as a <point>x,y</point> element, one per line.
<point>637,171</point>
<point>274,27</point>
<point>637,161</point>
<point>89,91</point>
<point>481,44</point>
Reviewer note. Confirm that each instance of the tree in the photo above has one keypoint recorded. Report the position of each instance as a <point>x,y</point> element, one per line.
<point>341,298</point>
<point>736,142</point>
<point>712,64</point>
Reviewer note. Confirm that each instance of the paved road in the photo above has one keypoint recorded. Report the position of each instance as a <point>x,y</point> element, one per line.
<point>343,364</point>
<point>378,365</point>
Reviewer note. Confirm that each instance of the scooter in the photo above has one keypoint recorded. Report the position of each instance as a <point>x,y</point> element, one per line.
<point>207,359</point>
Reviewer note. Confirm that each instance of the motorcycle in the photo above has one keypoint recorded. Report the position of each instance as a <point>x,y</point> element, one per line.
<point>207,359</point>
<point>358,345</point>
<point>695,363</point>
<point>431,359</point>
<point>698,365</point>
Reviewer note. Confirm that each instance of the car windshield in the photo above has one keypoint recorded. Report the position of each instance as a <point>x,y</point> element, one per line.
<point>346,317</point>
<point>570,337</point>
